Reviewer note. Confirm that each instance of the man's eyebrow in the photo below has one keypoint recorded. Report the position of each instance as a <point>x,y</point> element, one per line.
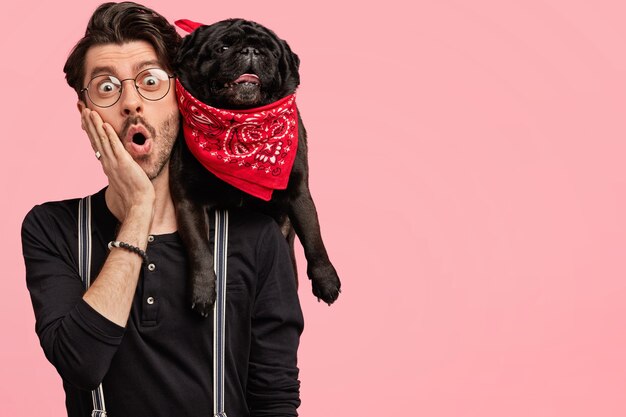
<point>108,70</point>
<point>149,63</point>
<point>101,70</point>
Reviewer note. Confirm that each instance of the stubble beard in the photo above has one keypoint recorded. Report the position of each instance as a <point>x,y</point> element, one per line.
<point>166,136</point>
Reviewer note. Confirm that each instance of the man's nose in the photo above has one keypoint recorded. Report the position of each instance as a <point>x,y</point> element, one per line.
<point>131,102</point>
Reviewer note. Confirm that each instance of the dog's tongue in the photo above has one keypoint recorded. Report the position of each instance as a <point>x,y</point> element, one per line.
<point>247,78</point>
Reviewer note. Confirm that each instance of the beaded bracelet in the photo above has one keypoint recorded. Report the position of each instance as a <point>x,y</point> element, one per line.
<point>130,248</point>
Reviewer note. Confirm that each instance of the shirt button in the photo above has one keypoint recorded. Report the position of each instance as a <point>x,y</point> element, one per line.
<point>150,300</point>
<point>150,238</point>
<point>151,267</point>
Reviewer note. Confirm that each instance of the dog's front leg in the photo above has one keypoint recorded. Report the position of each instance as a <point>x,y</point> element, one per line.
<point>193,228</point>
<point>324,278</point>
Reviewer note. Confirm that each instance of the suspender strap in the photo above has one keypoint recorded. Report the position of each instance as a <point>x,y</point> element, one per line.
<point>84,240</point>
<point>84,267</point>
<point>219,311</point>
<point>97,397</point>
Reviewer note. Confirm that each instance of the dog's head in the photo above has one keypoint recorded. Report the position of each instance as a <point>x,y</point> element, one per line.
<point>237,64</point>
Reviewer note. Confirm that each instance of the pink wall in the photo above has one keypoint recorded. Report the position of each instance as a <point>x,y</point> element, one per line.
<point>467,163</point>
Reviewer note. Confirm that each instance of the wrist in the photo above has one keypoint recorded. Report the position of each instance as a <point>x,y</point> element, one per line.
<point>139,217</point>
<point>143,208</point>
<point>130,248</point>
<point>139,207</point>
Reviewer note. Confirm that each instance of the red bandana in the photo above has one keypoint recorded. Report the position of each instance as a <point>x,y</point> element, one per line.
<point>188,25</point>
<point>253,149</point>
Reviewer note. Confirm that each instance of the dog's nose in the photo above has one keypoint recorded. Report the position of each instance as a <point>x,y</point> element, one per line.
<point>248,50</point>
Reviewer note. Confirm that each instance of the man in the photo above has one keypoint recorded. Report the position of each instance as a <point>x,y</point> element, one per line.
<point>133,329</point>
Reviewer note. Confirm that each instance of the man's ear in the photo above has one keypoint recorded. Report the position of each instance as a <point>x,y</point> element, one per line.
<point>81,106</point>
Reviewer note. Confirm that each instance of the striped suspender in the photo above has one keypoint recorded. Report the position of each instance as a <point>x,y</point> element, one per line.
<point>219,311</point>
<point>84,266</point>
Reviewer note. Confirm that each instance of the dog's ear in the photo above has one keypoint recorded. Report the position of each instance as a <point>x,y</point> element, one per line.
<point>184,55</point>
<point>290,64</point>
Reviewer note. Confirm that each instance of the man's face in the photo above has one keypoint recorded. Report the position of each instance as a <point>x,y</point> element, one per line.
<point>146,128</point>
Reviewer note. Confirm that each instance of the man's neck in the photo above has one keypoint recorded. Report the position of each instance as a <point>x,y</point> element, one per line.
<point>164,219</point>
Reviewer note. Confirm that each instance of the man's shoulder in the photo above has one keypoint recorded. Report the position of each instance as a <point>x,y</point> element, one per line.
<point>54,209</point>
<point>252,223</point>
<point>255,233</point>
<point>57,211</point>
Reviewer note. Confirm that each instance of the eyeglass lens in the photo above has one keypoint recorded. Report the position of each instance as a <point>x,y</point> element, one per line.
<point>105,90</point>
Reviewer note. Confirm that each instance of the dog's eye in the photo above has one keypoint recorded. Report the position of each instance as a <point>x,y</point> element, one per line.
<point>223,48</point>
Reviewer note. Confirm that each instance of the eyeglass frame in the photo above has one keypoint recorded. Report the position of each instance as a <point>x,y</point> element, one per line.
<point>121,90</point>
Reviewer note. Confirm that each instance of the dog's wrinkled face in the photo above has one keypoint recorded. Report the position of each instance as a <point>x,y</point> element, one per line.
<point>237,64</point>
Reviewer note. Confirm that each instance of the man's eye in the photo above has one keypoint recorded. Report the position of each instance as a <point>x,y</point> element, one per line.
<point>106,87</point>
<point>150,81</point>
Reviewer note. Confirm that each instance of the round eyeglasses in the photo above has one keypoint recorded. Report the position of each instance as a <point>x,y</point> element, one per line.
<point>105,90</point>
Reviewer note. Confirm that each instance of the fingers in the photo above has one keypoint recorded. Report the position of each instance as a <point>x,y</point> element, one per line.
<point>103,138</point>
<point>87,125</point>
<point>114,141</point>
<point>99,136</point>
<point>126,177</point>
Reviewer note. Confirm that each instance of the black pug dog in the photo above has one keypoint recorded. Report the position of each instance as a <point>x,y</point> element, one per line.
<point>239,64</point>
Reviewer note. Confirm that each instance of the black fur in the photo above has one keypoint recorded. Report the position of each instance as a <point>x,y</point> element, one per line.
<point>209,60</point>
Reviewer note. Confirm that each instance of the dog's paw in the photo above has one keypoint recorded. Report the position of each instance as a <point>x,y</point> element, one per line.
<point>203,306</point>
<point>326,283</point>
<point>203,294</point>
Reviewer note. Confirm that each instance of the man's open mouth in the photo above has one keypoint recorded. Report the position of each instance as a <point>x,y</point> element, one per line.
<point>139,138</point>
<point>137,134</point>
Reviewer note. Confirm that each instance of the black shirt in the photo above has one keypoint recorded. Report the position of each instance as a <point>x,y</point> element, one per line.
<point>161,364</point>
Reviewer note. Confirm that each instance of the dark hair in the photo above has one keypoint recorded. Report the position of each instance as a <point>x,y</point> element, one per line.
<point>118,23</point>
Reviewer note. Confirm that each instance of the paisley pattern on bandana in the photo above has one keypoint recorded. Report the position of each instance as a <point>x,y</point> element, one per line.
<point>253,150</point>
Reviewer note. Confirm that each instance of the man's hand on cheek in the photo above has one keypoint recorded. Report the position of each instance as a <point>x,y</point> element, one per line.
<point>127,180</point>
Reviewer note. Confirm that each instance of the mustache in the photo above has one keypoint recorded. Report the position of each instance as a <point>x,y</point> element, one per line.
<point>135,120</point>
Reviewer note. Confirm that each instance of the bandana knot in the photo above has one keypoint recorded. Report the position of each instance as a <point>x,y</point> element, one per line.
<point>253,150</point>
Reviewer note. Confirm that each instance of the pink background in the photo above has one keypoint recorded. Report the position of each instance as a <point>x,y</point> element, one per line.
<point>467,163</point>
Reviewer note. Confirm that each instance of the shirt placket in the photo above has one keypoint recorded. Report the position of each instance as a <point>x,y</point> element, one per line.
<point>151,295</point>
